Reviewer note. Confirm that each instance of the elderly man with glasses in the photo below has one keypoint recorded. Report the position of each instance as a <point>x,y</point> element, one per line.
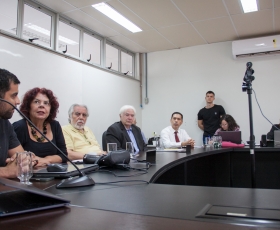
<point>79,139</point>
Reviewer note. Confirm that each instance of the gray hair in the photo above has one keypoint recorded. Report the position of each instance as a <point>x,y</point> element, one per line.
<point>126,107</point>
<point>71,110</point>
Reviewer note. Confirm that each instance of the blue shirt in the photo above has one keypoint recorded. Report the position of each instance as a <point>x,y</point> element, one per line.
<point>132,138</point>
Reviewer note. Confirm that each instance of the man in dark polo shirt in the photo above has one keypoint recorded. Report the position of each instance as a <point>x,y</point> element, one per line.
<point>9,143</point>
<point>209,116</point>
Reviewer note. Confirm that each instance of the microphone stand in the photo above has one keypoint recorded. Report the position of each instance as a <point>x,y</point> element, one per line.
<point>82,180</point>
<point>247,86</point>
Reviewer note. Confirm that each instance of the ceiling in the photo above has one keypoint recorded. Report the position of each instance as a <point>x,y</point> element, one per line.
<point>173,24</point>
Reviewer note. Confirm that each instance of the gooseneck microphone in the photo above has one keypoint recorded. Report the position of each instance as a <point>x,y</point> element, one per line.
<point>82,180</point>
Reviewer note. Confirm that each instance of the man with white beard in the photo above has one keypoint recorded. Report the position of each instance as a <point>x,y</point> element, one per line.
<point>79,139</point>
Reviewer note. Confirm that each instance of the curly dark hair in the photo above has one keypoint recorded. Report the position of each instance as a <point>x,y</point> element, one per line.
<point>232,125</point>
<point>29,97</point>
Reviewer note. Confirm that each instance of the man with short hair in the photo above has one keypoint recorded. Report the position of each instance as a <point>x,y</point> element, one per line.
<point>174,137</point>
<point>79,139</point>
<point>125,131</point>
<point>209,116</point>
<point>9,144</point>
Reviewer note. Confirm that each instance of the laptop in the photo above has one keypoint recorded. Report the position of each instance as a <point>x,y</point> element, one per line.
<point>70,172</point>
<point>276,138</point>
<point>17,198</point>
<point>231,136</point>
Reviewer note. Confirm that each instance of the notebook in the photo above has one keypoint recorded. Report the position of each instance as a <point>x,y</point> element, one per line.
<point>19,198</point>
<point>232,136</point>
<point>70,172</point>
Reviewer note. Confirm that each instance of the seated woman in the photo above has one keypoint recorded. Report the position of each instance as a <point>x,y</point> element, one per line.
<point>227,124</point>
<point>41,106</point>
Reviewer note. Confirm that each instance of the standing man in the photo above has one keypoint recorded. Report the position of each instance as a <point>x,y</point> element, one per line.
<point>209,116</point>
<point>125,131</point>
<point>9,143</point>
<point>174,137</point>
<point>79,139</point>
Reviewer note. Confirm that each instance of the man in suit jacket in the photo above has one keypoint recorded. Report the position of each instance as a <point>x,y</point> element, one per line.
<point>125,131</point>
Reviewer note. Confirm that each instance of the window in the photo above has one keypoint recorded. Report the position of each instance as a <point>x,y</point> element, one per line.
<point>8,16</point>
<point>112,57</point>
<point>68,39</point>
<point>91,50</point>
<point>126,63</point>
<point>37,25</point>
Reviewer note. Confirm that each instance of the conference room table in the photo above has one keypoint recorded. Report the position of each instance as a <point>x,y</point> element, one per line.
<point>205,189</point>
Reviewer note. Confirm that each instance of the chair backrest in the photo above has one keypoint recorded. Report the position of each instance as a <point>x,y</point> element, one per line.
<point>104,143</point>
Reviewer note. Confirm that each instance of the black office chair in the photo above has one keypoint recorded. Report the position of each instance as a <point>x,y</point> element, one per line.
<point>104,143</point>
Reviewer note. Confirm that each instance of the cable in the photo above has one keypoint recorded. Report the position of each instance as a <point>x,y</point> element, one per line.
<point>261,110</point>
<point>121,181</point>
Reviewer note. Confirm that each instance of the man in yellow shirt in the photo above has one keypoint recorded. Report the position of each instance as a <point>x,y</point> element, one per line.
<point>79,139</point>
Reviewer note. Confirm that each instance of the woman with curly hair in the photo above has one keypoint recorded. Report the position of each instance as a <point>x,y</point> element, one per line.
<point>227,123</point>
<point>41,107</point>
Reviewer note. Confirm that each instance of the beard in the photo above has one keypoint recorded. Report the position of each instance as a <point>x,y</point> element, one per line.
<point>5,113</point>
<point>77,125</point>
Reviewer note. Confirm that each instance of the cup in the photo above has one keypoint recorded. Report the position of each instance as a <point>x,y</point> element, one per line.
<point>188,148</point>
<point>159,144</point>
<point>24,167</point>
<point>130,147</point>
<point>111,147</point>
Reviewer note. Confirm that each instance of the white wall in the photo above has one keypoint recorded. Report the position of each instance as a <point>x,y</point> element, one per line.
<point>72,82</point>
<point>178,80</point>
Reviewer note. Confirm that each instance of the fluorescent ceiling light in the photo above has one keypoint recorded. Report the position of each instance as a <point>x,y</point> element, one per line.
<point>249,5</point>
<point>47,32</point>
<point>117,17</point>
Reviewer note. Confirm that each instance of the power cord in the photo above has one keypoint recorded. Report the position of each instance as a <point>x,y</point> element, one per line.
<point>262,112</point>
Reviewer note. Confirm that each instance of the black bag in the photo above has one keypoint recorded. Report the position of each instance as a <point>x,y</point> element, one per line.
<point>111,159</point>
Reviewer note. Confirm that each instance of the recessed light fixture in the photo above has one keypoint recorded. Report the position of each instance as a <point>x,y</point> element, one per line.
<point>117,17</point>
<point>249,5</point>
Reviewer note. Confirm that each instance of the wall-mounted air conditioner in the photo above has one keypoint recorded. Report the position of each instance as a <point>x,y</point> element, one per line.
<point>256,47</point>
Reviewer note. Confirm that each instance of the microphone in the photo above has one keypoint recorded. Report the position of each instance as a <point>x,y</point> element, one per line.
<point>82,180</point>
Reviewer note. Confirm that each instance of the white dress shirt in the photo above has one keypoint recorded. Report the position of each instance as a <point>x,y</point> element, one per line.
<point>168,137</point>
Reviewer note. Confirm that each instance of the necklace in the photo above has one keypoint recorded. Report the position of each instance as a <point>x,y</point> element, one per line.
<point>34,132</point>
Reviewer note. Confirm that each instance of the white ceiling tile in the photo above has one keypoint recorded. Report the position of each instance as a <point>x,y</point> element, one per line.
<point>158,13</point>
<point>216,30</point>
<point>254,24</point>
<point>129,44</point>
<point>182,35</point>
<point>151,40</point>
<point>196,10</point>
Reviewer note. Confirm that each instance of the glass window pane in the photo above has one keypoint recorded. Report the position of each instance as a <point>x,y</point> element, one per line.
<point>126,63</point>
<point>91,48</point>
<point>112,57</point>
<point>37,24</point>
<point>69,36</point>
<point>8,15</point>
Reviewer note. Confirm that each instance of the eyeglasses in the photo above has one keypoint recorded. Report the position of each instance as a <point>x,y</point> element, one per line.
<point>38,102</point>
<point>79,114</point>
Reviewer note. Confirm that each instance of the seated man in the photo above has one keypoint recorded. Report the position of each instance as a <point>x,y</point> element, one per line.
<point>174,137</point>
<point>79,139</point>
<point>9,143</point>
<point>125,131</point>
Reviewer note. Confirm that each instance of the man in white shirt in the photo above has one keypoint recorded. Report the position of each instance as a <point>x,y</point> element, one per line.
<point>174,137</point>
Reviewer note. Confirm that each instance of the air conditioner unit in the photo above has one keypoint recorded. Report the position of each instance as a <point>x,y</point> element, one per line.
<point>256,47</point>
